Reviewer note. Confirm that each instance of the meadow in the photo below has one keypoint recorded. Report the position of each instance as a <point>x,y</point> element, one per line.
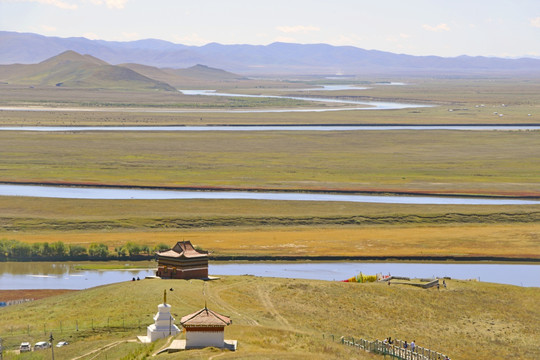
<point>485,163</point>
<point>286,318</point>
<point>270,228</point>
<point>435,161</point>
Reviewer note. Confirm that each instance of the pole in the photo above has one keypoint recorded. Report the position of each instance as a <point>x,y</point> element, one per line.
<point>1,350</point>
<point>51,339</point>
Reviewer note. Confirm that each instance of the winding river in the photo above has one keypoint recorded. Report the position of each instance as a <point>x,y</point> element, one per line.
<point>72,192</point>
<point>65,276</point>
<point>364,104</point>
<point>494,127</point>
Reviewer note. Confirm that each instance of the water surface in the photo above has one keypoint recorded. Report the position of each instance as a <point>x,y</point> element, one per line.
<point>233,128</point>
<point>366,105</point>
<point>69,192</point>
<point>43,275</point>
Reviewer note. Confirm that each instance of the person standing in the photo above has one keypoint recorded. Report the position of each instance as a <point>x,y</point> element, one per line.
<point>413,345</point>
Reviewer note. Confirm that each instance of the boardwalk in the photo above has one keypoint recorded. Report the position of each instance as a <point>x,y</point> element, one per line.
<point>397,351</point>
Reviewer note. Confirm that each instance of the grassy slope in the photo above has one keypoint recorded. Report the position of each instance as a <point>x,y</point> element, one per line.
<point>274,317</point>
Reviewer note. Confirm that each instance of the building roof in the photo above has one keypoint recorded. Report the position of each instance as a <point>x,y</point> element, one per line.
<point>183,249</point>
<point>205,317</point>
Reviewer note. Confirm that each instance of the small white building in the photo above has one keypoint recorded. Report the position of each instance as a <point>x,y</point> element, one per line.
<point>163,325</point>
<point>206,328</point>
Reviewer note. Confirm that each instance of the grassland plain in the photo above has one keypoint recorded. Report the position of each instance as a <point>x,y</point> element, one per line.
<point>454,162</point>
<point>471,101</point>
<point>229,227</point>
<point>286,318</point>
<point>487,163</point>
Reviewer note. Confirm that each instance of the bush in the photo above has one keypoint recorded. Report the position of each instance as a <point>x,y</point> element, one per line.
<point>98,250</point>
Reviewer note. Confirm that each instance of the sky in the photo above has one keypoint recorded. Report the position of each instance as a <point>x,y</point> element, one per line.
<point>504,28</point>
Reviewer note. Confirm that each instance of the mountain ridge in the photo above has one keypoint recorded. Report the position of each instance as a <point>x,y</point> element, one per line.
<point>275,58</point>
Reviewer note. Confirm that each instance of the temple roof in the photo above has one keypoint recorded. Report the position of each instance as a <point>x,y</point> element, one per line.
<point>205,317</point>
<point>183,249</point>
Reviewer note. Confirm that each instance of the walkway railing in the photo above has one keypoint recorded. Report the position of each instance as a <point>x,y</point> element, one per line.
<point>395,350</point>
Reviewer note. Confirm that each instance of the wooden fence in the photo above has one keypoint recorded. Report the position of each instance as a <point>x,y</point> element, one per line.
<point>395,350</point>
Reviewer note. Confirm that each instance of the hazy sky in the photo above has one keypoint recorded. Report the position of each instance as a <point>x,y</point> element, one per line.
<point>417,27</point>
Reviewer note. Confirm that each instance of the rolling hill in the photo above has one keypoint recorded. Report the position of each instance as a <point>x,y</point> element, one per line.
<point>184,77</point>
<point>70,69</point>
<point>276,58</point>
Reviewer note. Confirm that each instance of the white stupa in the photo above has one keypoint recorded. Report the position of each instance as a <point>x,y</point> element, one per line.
<point>163,325</point>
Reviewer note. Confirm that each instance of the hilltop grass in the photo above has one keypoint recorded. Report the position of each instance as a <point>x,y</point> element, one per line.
<point>274,317</point>
<point>454,162</point>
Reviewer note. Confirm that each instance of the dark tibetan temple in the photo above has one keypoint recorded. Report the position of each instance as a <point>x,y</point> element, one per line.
<point>183,261</point>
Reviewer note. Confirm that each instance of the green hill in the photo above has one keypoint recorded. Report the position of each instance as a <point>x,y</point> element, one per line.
<point>71,69</point>
<point>289,319</point>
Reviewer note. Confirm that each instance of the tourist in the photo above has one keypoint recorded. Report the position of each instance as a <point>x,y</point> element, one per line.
<point>405,345</point>
<point>412,345</point>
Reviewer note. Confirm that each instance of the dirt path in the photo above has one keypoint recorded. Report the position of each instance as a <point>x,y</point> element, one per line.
<point>99,350</point>
<point>269,305</point>
<point>214,295</point>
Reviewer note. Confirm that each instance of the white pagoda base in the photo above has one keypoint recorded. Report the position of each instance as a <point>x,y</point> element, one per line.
<point>163,325</point>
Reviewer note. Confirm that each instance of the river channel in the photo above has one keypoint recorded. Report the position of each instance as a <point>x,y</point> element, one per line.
<point>43,275</point>
<point>72,192</point>
<point>233,128</point>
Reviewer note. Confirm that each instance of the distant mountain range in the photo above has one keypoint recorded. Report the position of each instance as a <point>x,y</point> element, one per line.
<point>276,58</point>
<point>71,69</point>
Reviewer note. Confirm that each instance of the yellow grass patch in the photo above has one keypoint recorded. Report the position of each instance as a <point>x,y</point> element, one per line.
<point>512,240</point>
